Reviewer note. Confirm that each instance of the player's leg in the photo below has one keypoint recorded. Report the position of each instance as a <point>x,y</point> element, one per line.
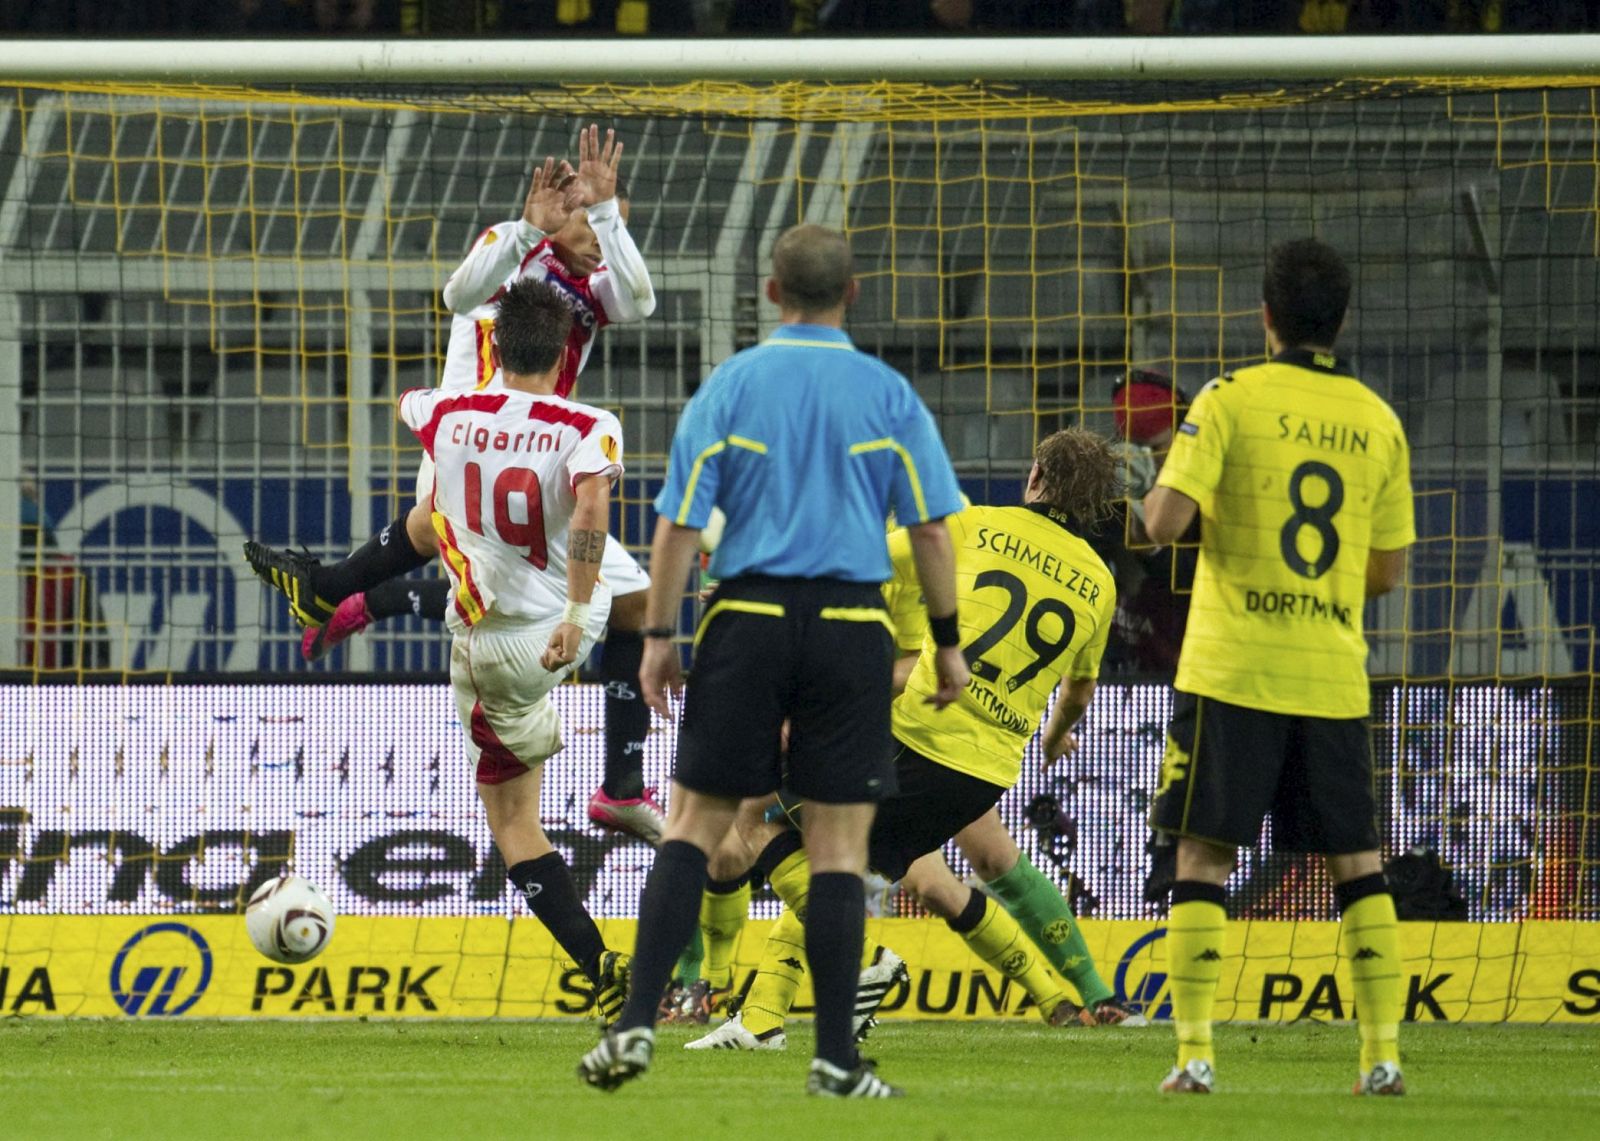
<point>994,936</point>
<point>315,590</point>
<point>622,801</point>
<point>839,764</point>
<point>427,598</point>
<point>727,751</point>
<point>502,697</point>
<point>1326,805</point>
<point>1219,777</point>
<point>1034,901</point>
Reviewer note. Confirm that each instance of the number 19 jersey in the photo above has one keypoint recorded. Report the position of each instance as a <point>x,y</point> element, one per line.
<point>1300,470</point>
<point>507,463</point>
<point>1035,603</point>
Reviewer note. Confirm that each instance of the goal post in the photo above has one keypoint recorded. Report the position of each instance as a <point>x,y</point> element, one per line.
<point>220,264</point>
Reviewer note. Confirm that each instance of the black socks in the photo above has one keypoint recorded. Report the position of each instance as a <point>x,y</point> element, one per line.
<point>546,883</point>
<point>668,915</point>
<point>836,917</point>
<point>627,716</point>
<point>428,598</point>
<point>388,554</point>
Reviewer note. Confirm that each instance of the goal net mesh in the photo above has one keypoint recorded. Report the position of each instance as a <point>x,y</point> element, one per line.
<point>211,297</point>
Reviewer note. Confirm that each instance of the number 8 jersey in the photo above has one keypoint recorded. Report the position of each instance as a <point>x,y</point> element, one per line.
<point>503,496</point>
<point>1299,470</point>
<point>1035,603</point>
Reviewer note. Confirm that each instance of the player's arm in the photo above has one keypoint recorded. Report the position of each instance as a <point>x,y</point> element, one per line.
<point>673,552</point>
<point>586,545</point>
<point>500,249</point>
<point>1071,705</point>
<point>1167,514</point>
<point>936,569</point>
<point>1385,570</point>
<point>624,287</point>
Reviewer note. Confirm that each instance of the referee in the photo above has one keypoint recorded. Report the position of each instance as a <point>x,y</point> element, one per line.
<point>805,444</point>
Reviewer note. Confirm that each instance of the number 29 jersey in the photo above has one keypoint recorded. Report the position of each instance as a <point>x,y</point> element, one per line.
<point>1035,604</point>
<point>507,463</point>
<point>1300,470</point>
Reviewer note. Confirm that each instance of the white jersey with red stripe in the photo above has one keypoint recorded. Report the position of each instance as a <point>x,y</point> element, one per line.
<point>510,251</point>
<point>507,463</point>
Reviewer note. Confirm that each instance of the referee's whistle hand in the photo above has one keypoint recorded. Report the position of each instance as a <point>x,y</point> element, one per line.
<point>950,667</point>
<point>660,676</point>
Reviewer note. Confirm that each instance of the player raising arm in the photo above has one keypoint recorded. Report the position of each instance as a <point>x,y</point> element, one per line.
<point>521,499</point>
<point>1301,477</point>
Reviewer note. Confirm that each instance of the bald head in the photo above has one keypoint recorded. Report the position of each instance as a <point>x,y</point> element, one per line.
<point>812,269</point>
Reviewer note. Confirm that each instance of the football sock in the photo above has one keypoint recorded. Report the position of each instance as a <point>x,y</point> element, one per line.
<point>1195,931</point>
<point>688,968</point>
<point>1040,910</point>
<point>995,937</point>
<point>777,981</point>
<point>791,881</point>
<point>1370,939</point>
<point>399,597</point>
<point>835,921</point>
<point>627,716</point>
<point>723,909</point>
<point>388,554</point>
<point>546,883</point>
<point>668,913</point>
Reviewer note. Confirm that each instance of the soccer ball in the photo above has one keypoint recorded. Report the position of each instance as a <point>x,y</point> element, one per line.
<point>289,920</point>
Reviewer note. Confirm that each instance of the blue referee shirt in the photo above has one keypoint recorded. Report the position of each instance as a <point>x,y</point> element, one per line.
<point>806,444</point>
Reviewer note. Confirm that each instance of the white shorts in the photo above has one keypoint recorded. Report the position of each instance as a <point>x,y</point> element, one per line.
<point>621,571</point>
<point>503,694</point>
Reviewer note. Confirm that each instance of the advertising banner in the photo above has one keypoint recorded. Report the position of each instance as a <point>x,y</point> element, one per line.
<point>437,967</point>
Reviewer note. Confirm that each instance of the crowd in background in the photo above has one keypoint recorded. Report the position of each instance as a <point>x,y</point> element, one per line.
<point>387,18</point>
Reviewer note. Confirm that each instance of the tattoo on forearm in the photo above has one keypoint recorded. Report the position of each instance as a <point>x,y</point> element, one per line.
<point>586,546</point>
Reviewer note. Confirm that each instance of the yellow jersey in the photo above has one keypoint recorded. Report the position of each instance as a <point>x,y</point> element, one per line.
<point>1035,606</point>
<point>1299,470</point>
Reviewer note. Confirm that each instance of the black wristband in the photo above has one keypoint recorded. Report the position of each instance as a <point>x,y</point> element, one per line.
<point>666,632</point>
<point>946,630</point>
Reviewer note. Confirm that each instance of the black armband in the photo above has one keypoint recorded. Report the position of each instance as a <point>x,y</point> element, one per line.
<point>946,630</point>
<point>666,632</point>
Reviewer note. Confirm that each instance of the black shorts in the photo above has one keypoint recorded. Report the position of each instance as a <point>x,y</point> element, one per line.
<point>933,803</point>
<point>817,653</point>
<point>1227,766</point>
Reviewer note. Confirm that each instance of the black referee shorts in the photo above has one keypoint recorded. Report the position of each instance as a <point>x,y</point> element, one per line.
<point>1227,766</point>
<point>817,653</point>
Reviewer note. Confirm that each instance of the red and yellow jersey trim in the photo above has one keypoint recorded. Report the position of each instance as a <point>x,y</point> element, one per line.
<point>468,601</point>
<point>484,331</point>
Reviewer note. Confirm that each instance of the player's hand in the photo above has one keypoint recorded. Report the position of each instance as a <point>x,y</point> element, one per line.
<point>950,668</point>
<point>1139,470</point>
<point>597,166</point>
<point>548,204</point>
<point>660,675</point>
<point>1056,747</point>
<point>565,641</point>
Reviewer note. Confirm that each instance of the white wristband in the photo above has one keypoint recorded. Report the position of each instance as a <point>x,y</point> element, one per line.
<point>577,614</point>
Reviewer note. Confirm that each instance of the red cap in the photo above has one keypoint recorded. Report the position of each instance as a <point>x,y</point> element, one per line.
<point>1146,406</point>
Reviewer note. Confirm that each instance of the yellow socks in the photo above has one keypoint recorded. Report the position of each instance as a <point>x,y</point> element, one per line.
<point>783,965</point>
<point>722,916</point>
<point>1195,931</point>
<point>996,938</point>
<point>791,881</point>
<point>1370,940</point>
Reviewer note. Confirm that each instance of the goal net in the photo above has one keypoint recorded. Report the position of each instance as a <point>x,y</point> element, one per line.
<point>210,298</point>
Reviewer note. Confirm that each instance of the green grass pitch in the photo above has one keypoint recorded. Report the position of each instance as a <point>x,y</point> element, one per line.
<point>976,1080</point>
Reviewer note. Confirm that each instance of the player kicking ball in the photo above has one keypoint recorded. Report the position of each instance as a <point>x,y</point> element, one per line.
<point>520,501</point>
<point>572,234</point>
